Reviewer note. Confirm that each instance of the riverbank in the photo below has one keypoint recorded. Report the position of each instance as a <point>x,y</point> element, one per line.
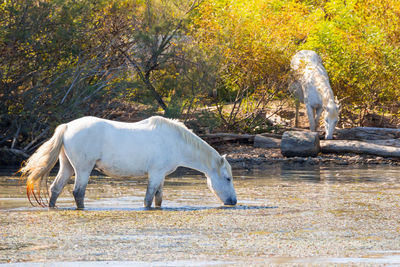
<point>247,157</point>
<point>244,156</point>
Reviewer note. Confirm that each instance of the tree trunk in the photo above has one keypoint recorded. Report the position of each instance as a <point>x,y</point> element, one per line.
<point>156,95</point>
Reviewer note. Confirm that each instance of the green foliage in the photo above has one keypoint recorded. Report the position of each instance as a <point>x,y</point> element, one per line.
<point>50,63</point>
<point>63,59</point>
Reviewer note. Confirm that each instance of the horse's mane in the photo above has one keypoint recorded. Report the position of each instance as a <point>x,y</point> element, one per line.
<point>190,138</point>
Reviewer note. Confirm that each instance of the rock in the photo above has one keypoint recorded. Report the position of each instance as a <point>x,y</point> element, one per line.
<point>299,143</point>
<point>266,142</point>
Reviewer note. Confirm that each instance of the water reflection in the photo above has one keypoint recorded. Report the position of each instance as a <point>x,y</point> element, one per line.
<point>190,192</point>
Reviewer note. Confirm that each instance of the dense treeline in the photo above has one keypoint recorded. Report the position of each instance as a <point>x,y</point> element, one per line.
<point>358,40</point>
<point>64,59</point>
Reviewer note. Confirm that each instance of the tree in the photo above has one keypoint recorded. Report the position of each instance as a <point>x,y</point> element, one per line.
<point>50,65</point>
<point>358,42</point>
<point>148,37</point>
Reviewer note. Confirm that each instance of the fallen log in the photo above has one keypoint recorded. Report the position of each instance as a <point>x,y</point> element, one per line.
<point>229,137</point>
<point>225,137</point>
<point>367,133</point>
<point>388,142</point>
<point>262,141</point>
<point>358,147</point>
<point>272,135</point>
<point>300,144</point>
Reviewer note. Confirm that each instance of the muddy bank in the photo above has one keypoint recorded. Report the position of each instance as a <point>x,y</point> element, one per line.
<point>243,156</point>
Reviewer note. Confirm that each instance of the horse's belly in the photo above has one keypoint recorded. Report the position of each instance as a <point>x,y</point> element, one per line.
<point>120,169</point>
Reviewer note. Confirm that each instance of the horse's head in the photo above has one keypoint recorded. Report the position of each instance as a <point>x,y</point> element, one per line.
<point>220,182</point>
<point>331,118</point>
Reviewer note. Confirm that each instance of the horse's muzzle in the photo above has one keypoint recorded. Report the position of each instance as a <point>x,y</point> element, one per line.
<point>231,201</point>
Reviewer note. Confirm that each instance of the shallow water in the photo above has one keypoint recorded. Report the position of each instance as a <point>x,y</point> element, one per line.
<point>284,215</point>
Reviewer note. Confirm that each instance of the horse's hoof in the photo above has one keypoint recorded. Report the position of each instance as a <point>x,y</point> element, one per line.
<point>230,202</point>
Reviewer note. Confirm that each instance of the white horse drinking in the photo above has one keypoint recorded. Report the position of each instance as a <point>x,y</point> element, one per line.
<point>311,86</point>
<point>155,146</point>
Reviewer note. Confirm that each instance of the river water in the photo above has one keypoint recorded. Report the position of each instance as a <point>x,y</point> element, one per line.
<point>285,215</point>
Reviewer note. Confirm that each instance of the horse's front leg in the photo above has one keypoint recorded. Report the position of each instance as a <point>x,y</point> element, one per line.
<point>154,188</point>
<point>158,197</point>
<point>311,117</point>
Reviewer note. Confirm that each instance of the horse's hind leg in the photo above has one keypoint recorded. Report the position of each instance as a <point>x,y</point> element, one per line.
<point>81,181</point>
<point>311,117</point>
<point>64,173</point>
<point>296,118</point>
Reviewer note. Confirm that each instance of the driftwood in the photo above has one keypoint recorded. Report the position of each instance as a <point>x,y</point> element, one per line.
<point>243,138</point>
<point>266,142</point>
<point>383,142</point>
<point>300,144</point>
<point>367,133</point>
<point>225,137</point>
<point>388,142</point>
<point>271,135</point>
<point>358,147</point>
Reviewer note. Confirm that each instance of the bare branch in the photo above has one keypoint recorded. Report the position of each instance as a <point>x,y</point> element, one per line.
<point>36,138</point>
<point>77,73</point>
<point>14,142</point>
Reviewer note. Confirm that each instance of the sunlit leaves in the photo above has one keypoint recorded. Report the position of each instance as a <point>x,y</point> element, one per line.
<point>359,41</point>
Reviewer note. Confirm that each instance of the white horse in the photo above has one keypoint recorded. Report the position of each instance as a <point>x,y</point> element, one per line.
<point>311,86</point>
<point>155,146</point>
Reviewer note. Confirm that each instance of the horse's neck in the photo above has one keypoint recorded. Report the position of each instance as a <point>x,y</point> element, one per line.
<point>328,98</point>
<point>199,157</point>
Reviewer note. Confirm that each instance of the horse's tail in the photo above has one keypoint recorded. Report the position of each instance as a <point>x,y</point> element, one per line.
<point>37,168</point>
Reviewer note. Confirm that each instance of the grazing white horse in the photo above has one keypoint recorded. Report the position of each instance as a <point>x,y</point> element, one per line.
<point>311,86</point>
<point>155,146</point>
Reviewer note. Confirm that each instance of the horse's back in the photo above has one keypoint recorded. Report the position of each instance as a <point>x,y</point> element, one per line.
<point>305,58</point>
<point>117,148</point>
<point>312,76</point>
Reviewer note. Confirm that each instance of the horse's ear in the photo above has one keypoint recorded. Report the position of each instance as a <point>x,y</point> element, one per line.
<point>222,160</point>
<point>337,102</point>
